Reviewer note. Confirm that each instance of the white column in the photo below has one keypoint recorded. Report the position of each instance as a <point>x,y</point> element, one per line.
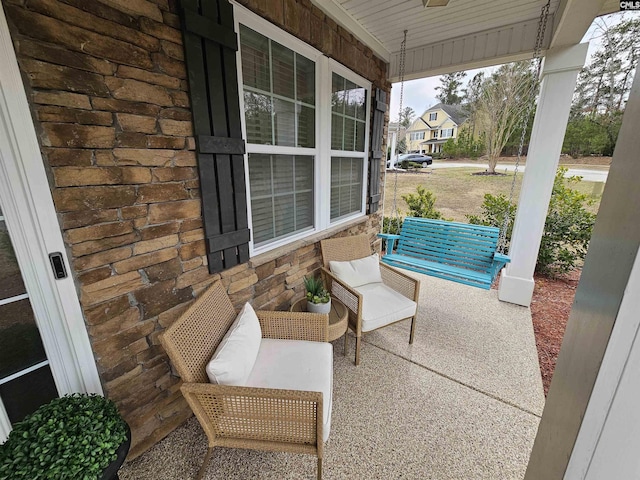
<point>559,74</point>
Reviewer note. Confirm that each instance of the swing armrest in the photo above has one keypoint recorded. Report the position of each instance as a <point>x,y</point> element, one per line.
<point>499,261</point>
<point>501,258</point>
<point>390,239</point>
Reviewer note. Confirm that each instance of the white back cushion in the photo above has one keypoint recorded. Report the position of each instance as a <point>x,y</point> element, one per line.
<point>358,272</point>
<point>233,360</point>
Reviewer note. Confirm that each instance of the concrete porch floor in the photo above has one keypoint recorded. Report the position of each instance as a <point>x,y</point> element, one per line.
<point>463,402</point>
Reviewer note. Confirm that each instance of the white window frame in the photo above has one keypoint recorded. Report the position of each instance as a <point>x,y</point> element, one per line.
<point>326,200</point>
<point>443,133</point>
<point>434,115</point>
<point>322,151</point>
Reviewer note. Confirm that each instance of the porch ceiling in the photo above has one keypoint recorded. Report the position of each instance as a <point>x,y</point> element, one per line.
<point>464,34</point>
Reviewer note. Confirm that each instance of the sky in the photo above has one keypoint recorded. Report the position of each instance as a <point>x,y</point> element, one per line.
<point>421,94</point>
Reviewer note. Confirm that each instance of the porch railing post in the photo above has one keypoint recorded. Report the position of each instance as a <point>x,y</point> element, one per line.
<point>559,74</point>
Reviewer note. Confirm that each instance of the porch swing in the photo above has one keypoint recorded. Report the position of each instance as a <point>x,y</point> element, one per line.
<point>460,252</point>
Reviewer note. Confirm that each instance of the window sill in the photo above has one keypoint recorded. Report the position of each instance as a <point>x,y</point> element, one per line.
<point>267,257</point>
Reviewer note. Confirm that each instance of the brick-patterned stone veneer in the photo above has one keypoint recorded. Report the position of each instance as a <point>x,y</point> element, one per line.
<point>107,86</point>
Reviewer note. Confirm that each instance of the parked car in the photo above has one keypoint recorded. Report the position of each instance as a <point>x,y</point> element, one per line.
<point>424,160</point>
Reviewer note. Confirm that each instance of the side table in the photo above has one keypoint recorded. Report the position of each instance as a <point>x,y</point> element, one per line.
<point>338,316</point>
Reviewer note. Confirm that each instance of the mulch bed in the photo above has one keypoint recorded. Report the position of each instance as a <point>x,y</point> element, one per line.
<point>550,308</point>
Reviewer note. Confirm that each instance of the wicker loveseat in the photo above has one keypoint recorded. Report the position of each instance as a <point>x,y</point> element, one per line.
<point>275,419</point>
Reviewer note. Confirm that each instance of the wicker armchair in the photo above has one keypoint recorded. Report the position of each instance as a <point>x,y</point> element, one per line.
<point>245,417</point>
<point>352,248</point>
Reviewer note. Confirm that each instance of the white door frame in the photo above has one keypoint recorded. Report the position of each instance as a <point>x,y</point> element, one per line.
<point>32,222</point>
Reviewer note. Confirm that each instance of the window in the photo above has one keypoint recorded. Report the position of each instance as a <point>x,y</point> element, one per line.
<point>446,133</point>
<point>417,136</point>
<point>281,195</point>
<point>435,134</point>
<point>348,126</point>
<point>306,121</point>
<point>433,116</point>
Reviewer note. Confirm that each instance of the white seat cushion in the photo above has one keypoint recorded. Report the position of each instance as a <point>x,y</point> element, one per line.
<point>358,272</point>
<point>296,365</point>
<point>383,305</point>
<point>234,358</point>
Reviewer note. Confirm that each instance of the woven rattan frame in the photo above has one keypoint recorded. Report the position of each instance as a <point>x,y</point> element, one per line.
<point>351,248</point>
<point>244,417</point>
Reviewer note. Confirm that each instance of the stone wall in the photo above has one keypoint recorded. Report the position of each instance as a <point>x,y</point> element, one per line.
<point>107,87</point>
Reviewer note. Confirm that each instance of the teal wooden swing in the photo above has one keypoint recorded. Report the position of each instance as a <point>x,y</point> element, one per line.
<point>459,252</point>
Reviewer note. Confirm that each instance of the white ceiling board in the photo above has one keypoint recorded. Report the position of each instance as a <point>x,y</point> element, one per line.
<point>463,34</point>
<point>387,19</point>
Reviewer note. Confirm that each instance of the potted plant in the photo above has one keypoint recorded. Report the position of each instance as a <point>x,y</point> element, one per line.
<point>318,299</point>
<point>77,436</point>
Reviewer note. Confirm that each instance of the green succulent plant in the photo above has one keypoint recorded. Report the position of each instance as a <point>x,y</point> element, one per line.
<point>316,293</point>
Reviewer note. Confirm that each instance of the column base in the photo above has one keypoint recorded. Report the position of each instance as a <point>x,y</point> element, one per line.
<point>515,290</point>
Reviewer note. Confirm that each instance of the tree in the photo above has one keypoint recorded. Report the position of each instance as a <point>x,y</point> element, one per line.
<point>504,102</point>
<point>471,99</point>
<point>406,116</point>
<point>450,87</point>
<point>603,89</point>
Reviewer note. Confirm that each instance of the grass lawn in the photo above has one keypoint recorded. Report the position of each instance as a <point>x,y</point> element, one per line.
<point>458,193</point>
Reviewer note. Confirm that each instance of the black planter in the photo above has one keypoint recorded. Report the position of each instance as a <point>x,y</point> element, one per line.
<point>111,472</point>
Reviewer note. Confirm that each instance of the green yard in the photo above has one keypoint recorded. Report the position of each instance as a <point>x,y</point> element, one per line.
<point>459,193</point>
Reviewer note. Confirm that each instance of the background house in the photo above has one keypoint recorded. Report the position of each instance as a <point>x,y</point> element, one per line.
<point>434,127</point>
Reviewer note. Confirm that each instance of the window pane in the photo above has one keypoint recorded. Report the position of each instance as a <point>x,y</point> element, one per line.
<point>284,122</point>
<point>348,121</point>
<point>288,208</point>
<point>11,283</point>
<point>279,74</point>
<point>257,111</point>
<point>304,209</point>
<point>360,127</point>
<point>346,186</point>
<point>23,395</point>
<point>282,173</point>
<point>283,71</point>
<point>337,93</point>
<point>20,343</point>
<point>359,96</point>
<point>305,80</point>
<point>349,134</point>
<point>337,126</point>
<point>284,214</point>
<point>254,50</point>
<point>350,106</point>
<point>306,126</point>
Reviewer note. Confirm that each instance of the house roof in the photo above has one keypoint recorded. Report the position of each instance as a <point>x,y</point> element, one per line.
<point>455,112</point>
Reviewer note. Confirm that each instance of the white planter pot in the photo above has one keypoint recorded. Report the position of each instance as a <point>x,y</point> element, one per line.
<point>319,307</point>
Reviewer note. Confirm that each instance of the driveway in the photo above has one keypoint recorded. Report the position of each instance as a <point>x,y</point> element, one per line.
<point>587,174</point>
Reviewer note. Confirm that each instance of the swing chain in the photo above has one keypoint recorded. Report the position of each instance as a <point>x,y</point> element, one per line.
<point>537,57</point>
<point>403,53</point>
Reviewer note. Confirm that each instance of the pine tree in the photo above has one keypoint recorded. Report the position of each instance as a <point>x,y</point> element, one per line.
<point>450,88</point>
<point>603,88</point>
<point>406,116</point>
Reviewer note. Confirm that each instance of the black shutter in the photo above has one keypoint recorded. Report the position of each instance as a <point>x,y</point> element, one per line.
<point>375,157</point>
<point>210,44</point>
